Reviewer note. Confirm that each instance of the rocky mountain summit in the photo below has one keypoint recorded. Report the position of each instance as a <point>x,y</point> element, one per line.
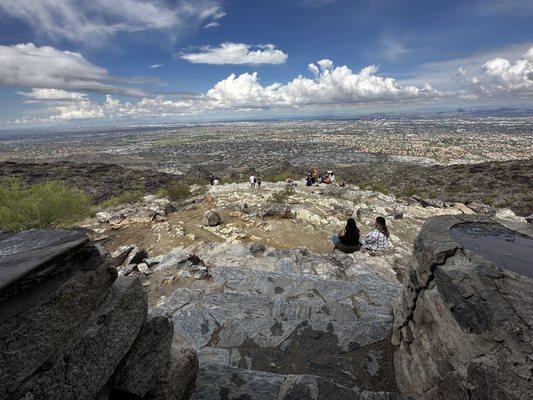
<point>235,294</point>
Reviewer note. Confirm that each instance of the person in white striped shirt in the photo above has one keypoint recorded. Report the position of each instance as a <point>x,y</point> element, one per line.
<point>378,239</point>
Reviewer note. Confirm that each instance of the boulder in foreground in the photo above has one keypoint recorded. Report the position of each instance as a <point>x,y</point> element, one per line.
<point>69,329</point>
<point>464,322</point>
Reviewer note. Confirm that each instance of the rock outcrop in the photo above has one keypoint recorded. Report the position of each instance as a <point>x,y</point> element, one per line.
<point>70,329</point>
<point>268,327</point>
<point>150,209</point>
<point>464,322</point>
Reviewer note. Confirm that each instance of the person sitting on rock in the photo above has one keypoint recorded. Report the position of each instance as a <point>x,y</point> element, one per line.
<point>347,240</point>
<point>315,174</point>
<point>378,239</point>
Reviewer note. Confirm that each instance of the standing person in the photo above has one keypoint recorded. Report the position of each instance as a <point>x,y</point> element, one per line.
<point>211,179</point>
<point>259,180</point>
<point>252,182</point>
<point>378,239</point>
<point>309,180</point>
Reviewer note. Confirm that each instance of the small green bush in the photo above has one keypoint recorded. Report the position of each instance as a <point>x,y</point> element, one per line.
<point>282,177</point>
<point>177,192</point>
<point>376,186</point>
<point>488,200</point>
<point>40,206</point>
<point>125,198</point>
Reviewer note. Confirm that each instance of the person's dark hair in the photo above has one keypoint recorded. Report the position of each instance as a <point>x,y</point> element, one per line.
<point>351,227</point>
<point>382,225</point>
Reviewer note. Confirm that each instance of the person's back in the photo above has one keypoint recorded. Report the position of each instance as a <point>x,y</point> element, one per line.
<point>348,240</point>
<point>351,234</point>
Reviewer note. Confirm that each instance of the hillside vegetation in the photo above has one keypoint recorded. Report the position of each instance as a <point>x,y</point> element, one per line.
<point>40,206</point>
<point>506,184</point>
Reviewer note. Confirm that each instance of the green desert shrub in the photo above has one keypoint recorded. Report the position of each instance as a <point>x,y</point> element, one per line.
<point>40,206</point>
<point>281,177</point>
<point>177,192</point>
<point>488,200</point>
<point>129,197</point>
<point>376,186</point>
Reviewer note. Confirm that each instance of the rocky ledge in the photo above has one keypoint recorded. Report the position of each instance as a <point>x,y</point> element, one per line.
<point>463,323</point>
<point>70,329</point>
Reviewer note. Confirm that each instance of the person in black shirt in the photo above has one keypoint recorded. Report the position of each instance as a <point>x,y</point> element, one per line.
<point>348,237</point>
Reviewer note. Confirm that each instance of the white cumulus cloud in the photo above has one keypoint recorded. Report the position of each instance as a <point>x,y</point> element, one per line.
<point>237,53</point>
<point>92,21</point>
<point>325,86</point>
<point>499,76</point>
<point>30,66</point>
<point>329,85</point>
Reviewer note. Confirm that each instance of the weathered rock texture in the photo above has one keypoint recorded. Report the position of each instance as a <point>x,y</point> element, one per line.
<point>69,328</point>
<point>263,331</point>
<point>463,324</point>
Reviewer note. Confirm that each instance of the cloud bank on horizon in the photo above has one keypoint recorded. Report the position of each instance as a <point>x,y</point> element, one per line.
<point>67,86</point>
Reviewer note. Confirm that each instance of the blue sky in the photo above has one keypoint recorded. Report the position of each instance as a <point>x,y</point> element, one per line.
<point>68,61</point>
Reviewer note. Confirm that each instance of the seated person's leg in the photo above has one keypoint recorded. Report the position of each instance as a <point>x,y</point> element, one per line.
<point>335,239</point>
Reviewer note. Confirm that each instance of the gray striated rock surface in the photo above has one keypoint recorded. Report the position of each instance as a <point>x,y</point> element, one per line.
<point>463,323</point>
<point>266,325</point>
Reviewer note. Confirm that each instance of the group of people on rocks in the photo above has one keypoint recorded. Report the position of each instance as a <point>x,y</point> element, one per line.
<point>349,239</point>
<point>313,177</point>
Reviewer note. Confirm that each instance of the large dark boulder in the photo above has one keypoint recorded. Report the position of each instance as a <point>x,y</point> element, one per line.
<point>41,272</point>
<point>464,322</point>
<point>69,327</point>
<point>84,363</point>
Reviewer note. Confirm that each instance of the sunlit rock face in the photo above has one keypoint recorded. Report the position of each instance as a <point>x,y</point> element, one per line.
<point>463,323</point>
